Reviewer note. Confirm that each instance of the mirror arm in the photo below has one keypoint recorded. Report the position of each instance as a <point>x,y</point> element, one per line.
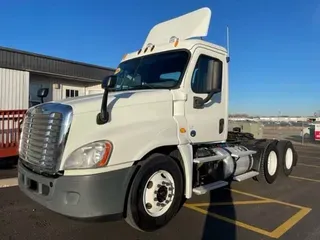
<point>103,115</point>
<point>108,83</point>
<point>42,93</point>
<point>210,96</point>
<point>199,102</point>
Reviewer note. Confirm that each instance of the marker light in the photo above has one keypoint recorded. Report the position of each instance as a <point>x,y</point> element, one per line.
<point>174,40</point>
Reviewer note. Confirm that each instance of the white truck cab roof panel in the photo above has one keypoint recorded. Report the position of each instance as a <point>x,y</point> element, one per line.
<point>198,23</point>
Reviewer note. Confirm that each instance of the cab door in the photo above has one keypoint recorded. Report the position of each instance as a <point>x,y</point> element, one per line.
<point>208,74</point>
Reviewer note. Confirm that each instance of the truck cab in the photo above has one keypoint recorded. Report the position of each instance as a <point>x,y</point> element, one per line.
<point>154,138</point>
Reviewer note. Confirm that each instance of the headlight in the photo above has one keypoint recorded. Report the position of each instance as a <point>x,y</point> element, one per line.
<point>92,155</point>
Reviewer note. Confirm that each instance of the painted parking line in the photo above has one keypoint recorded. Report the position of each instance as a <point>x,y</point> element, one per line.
<point>308,154</point>
<point>230,203</point>
<point>310,150</point>
<point>8,182</point>
<point>308,165</point>
<point>276,233</point>
<point>306,179</point>
<point>304,150</point>
<point>310,157</point>
<point>306,146</point>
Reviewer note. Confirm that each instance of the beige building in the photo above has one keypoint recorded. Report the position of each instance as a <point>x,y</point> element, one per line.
<point>23,73</point>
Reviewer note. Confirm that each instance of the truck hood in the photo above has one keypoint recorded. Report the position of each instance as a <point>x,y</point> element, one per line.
<point>92,103</point>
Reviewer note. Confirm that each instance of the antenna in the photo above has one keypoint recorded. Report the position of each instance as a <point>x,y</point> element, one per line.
<point>228,47</point>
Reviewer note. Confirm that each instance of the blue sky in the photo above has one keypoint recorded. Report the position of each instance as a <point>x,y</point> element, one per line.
<point>274,45</point>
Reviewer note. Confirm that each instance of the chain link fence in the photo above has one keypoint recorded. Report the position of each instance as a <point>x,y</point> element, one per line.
<point>292,133</point>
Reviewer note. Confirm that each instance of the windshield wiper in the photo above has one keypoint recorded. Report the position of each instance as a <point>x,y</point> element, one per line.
<point>140,87</point>
<point>145,86</point>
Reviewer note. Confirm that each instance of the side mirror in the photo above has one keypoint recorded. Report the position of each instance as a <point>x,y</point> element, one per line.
<point>213,82</point>
<point>42,93</point>
<point>199,102</point>
<point>109,82</point>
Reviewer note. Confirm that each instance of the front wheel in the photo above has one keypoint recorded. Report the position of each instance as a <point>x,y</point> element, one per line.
<point>156,193</point>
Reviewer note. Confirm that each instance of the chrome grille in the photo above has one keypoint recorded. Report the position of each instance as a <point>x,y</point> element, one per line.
<point>43,136</point>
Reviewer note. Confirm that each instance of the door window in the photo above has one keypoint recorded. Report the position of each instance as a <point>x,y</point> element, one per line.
<point>206,70</point>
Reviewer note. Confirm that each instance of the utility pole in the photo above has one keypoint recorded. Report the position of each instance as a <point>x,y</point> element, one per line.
<point>279,122</point>
<point>302,135</point>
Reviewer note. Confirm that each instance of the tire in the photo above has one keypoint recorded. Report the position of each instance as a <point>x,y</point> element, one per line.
<point>270,155</point>
<point>287,157</point>
<point>143,197</point>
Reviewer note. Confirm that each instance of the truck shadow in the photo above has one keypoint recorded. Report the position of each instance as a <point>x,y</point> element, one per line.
<point>220,218</point>
<point>117,97</point>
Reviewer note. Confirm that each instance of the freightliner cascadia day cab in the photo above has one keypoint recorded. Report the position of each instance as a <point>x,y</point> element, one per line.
<point>155,137</point>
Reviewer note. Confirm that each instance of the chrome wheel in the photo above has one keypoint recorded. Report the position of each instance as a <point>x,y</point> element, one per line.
<point>272,163</point>
<point>158,193</point>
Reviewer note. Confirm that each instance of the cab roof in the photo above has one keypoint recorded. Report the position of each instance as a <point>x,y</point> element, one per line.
<point>182,32</point>
<point>178,45</point>
<point>190,25</point>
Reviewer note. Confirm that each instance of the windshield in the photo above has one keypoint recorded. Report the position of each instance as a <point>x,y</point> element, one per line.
<point>161,70</point>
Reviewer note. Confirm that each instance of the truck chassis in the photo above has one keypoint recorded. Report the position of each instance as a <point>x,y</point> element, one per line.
<point>215,166</point>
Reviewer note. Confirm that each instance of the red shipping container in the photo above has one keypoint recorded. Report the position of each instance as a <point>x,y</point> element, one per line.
<point>317,132</point>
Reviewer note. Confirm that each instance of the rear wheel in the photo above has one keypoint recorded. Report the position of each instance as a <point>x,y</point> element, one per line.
<point>287,157</point>
<point>269,166</point>
<point>156,193</point>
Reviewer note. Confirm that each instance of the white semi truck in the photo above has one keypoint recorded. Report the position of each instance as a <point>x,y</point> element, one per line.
<point>155,137</point>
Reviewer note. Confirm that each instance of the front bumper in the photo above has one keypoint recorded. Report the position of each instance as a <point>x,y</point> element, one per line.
<point>82,197</point>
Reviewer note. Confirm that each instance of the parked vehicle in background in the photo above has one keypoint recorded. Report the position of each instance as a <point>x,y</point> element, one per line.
<point>310,132</point>
<point>317,132</point>
<point>247,126</point>
<point>10,129</point>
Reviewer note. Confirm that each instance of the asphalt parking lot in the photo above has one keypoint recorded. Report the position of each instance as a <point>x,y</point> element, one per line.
<point>288,209</point>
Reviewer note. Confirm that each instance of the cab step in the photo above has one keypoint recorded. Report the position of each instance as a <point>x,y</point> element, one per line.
<point>206,188</point>
<point>209,159</point>
<point>246,176</point>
